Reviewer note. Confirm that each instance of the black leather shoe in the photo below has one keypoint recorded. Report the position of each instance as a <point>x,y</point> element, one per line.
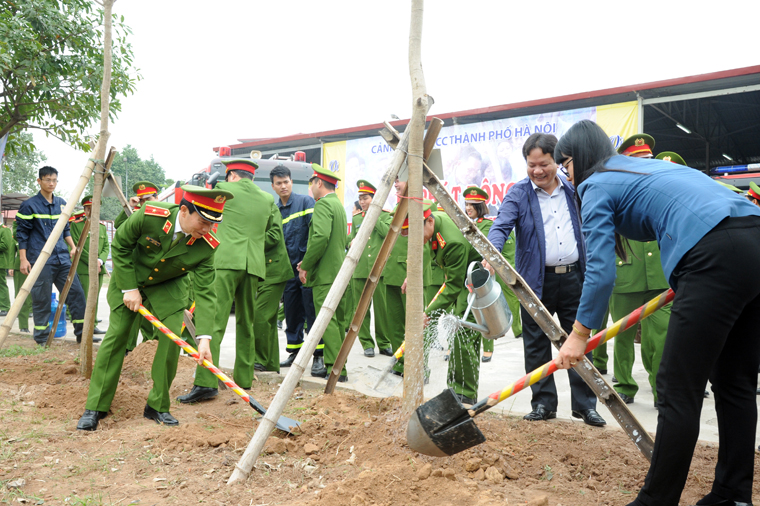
<point>90,419</point>
<point>98,321</point>
<point>614,379</point>
<point>26,331</point>
<point>160,418</point>
<point>98,331</point>
<point>485,358</point>
<point>540,413</point>
<point>259,368</point>
<point>396,373</point>
<point>369,352</point>
<point>94,339</point>
<point>602,371</point>
<point>198,394</point>
<point>712,500</point>
<point>590,417</point>
<point>343,378</point>
<point>758,390</point>
<point>626,399</point>
<point>289,361</point>
<point>707,394</point>
<point>519,336</point>
<point>318,369</point>
<point>388,352</point>
<point>3,313</point>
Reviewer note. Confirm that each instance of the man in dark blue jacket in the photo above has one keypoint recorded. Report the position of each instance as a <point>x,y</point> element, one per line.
<point>296,211</point>
<point>35,220</point>
<point>550,256</point>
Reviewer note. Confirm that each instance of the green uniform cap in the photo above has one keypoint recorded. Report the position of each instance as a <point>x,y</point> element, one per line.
<point>244,164</point>
<point>730,187</point>
<point>208,202</point>
<point>475,194</point>
<point>366,187</point>
<point>639,143</point>
<point>754,190</point>
<point>144,188</point>
<point>87,201</point>
<point>670,156</point>
<point>324,174</point>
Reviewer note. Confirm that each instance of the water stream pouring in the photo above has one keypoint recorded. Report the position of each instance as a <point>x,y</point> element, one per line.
<point>487,303</point>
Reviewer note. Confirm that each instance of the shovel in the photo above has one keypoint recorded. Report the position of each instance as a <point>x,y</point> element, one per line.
<point>285,424</point>
<point>443,426</point>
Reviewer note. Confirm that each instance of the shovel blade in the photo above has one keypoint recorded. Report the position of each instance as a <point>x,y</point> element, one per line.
<point>284,423</point>
<point>442,427</point>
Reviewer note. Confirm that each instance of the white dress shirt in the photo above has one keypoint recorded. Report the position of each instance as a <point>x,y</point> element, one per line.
<point>561,247</point>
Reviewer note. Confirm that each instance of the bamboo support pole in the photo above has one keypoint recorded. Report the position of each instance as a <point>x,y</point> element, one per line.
<point>267,423</point>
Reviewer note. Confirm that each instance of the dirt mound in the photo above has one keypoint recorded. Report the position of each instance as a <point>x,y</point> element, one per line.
<point>349,451</point>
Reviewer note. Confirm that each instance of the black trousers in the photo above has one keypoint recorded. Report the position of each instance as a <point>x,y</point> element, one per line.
<point>561,295</point>
<point>41,294</point>
<point>298,303</point>
<point>714,333</point>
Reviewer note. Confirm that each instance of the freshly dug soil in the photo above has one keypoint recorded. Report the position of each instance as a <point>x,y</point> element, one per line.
<point>350,450</point>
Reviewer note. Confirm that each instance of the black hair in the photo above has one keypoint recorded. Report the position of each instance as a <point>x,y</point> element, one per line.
<point>357,206</point>
<point>545,142</point>
<point>480,207</point>
<point>189,205</point>
<point>242,174</point>
<point>47,170</point>
<point>280,171</point>
<point>590,148</point>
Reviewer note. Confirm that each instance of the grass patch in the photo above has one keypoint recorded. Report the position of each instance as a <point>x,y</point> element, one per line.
<point>19,351</point>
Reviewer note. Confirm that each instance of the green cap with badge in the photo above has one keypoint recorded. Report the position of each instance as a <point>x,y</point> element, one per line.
<point>324,174</point>
<point>730,187</point>
<point>208,202</point>
<point>144,189</point>
<point>754,190</point>
<point>637,145</point>
<point>670,156</point>
<point>365,187</point>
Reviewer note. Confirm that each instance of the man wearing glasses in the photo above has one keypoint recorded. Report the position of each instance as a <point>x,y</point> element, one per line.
<point>35,219</point>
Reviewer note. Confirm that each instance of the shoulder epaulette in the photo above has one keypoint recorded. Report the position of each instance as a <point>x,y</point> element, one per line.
<point>441,242</point>
<point>156,211</point>
<point>211,240</point>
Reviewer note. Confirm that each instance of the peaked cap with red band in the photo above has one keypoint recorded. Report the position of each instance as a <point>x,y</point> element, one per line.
<point>474,194</point>
<point>365,187</point>
<point>144,188</point>
<point>428,207</point>
<point>87,201</point>
<point>754,190</point>
<point>324,174</point>
<point>244,164</point>
<point>208,202</point>
<point>636,145</point>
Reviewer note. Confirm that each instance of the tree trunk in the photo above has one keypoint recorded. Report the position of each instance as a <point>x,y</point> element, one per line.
<point>414,349</point>
<point>85,351</point>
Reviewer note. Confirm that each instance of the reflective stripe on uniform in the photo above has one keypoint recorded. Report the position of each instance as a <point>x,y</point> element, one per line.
<point>38,216</point>
<point>294,215</point>
<point>37,327</point>
<point>321,346</point>
<point>294,346</point>
<point>77,321</point>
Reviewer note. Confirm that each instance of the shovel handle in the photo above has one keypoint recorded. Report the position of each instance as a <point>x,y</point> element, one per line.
<point>193,353</point>
<point>545,370</point>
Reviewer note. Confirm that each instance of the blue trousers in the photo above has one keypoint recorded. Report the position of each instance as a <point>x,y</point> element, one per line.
<point>41,292</point>
<point>298,303</point>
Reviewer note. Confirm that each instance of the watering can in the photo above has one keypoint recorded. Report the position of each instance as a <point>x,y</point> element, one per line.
<point>487,303</point>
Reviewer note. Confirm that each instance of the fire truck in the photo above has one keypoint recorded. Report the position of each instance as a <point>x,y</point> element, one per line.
<point>215,171</point>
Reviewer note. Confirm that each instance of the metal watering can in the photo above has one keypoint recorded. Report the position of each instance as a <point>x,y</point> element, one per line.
<point>487,303</point>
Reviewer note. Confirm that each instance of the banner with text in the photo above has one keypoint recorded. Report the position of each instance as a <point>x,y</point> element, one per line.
<point>486,154</point>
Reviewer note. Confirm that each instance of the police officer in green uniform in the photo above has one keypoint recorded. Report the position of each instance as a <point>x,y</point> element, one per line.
<point>475,199</point>
<point>637,282</point>
<point>153,251</point>
<point>325,252</point>
<point>453,253</point>
<point>7,252</point>
<point>144,191</point>
<point>18,280</point>
<point>268,297</point>
<point>240,267</point>
<point>83,267</point>
<point>437,278</point>
<point>364,267</point>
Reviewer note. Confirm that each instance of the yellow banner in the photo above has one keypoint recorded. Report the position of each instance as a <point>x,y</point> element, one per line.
<point>619,121</point>
<point>334,159</point>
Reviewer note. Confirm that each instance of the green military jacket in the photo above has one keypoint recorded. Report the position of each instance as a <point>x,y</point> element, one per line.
<point>279,269</point>
<point>326,248</point>
<point>143,258</point>
<point>119,219</point>
<point>508,251</point>
<point>376,238</point>
<point>16,257</point>
<point>243,233</point>
<point>7,248</point>
<point>453,253</point>
<point>642,271</point>
<point>84,260</point>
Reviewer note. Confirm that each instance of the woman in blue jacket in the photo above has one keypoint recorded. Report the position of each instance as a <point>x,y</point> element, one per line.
<point>704,231</point>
